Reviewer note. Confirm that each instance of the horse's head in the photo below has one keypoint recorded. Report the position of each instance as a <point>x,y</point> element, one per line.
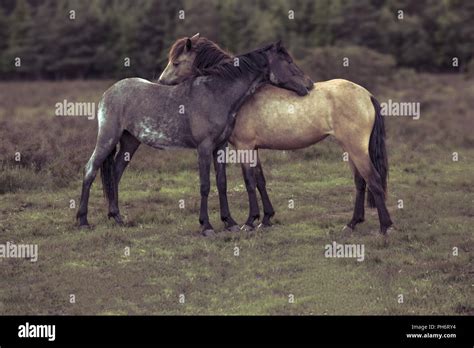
<point>283,72</point>
<point>188,56</point>
<point>180,61</point>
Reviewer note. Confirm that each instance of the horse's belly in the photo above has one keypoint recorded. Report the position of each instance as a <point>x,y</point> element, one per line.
<point>278,119</point>
<point>279,131</point>
<point>162,136</point>
<point>159,142</point>
<point>288,141</point>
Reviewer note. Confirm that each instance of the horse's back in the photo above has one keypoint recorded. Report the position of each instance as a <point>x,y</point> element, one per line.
<point>128,88</point>
<point>342,89</point>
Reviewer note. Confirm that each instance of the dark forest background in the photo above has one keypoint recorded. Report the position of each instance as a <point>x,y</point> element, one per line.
<point>105,32</point>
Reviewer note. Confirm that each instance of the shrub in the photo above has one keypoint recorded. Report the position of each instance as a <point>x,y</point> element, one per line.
<point>13,179</point>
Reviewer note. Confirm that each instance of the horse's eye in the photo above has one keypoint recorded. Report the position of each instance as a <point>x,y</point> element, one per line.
<point>175,64</point>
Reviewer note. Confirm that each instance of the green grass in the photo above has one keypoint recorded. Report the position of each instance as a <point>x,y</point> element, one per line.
<point>168,257</point>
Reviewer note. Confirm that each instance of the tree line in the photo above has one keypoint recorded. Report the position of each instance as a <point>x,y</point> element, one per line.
<point>57,39</point>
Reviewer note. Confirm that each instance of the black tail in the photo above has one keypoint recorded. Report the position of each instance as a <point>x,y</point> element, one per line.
<point>378,151</point>
<point>107,173</point>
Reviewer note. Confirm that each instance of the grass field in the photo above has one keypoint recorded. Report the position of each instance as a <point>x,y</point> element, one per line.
<point>169,258</point>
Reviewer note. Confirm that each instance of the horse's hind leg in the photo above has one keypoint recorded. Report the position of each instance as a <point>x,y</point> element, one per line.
<point>102,150</point>
<point>128,145</point>
<point>368,172</point>
<point>268,210</point>
<point>221,180</point>
<point>359,212</point>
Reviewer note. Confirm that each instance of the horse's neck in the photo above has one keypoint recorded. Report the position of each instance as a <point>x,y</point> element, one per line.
<point>243,88</point>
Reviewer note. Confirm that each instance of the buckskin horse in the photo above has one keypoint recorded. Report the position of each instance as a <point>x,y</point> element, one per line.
<point>274,118</point>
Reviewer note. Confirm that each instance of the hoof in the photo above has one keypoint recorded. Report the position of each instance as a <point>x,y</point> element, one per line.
<point>117,218</point>
<point>385,237</point>
<point>262,225</point>
<point>384,240</point>
<point>388,231</point>
<point>85,226</point>
<point>208,233</point>
<point>246,228</point>
<point>347,229</point>
<point>233,228</point>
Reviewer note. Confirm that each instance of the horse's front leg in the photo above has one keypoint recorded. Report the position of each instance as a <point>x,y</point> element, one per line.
<point>221,180</point>
<point>204,157</point>
<point>250,183</point>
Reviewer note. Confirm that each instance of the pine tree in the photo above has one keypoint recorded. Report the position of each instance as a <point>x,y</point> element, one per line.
<point>20,41</point>
<point>4,34</point>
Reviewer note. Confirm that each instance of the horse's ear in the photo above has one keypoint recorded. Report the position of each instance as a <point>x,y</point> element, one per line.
<point>278,44</point>
<point>188,45</point>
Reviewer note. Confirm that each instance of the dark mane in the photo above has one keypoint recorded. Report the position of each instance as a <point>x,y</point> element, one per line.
<point>207,52</point>
<point>211,60</point>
